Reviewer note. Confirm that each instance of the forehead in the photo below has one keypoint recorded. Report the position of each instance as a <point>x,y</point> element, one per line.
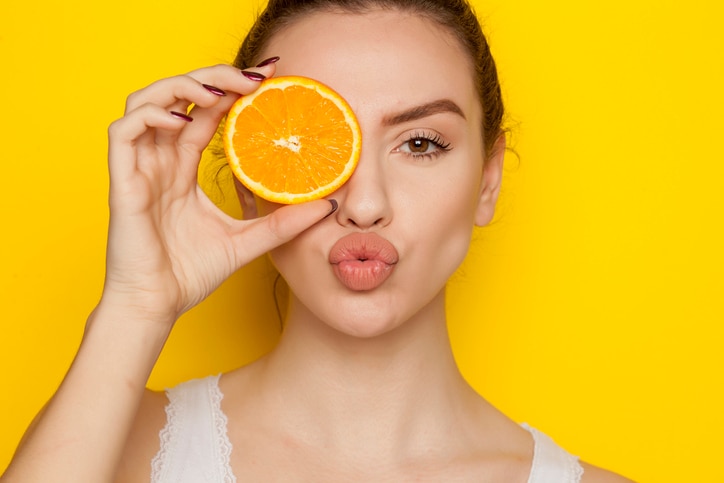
<point>380,61</point>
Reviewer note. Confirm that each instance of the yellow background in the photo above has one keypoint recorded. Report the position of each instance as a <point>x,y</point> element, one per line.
<point>591,309</point>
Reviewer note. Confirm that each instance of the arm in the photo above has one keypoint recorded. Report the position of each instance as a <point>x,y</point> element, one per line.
<point>168,248</point>
<point>84,426</point>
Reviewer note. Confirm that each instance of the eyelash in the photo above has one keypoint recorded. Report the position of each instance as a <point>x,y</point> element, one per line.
<point>434,138</point>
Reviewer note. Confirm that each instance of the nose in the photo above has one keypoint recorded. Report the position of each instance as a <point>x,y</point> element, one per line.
<point>363,199</point>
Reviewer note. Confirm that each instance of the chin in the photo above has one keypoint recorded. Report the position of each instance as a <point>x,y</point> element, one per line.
<point>368,316</point>
<point>363,320</point>
<point>330,306</point>
<point>365,328</point>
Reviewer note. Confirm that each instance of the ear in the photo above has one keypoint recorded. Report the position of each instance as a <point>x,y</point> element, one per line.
<point>490,186</point>
<point>246,199</point>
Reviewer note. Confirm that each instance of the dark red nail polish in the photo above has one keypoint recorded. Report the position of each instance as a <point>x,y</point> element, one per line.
<point>255,76</point>
<point>181,115</point>
<point>334,204</point>
<point>214,90</point>
<point>268,61</point>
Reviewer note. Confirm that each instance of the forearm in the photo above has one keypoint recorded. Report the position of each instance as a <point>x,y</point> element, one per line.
<point>81,433</point>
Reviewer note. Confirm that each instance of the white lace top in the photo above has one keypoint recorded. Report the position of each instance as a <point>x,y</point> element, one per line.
<point>194,445</point>
<point>196,449</point>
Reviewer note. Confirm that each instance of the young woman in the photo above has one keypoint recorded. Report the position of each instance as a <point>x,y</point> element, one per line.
<point>363,385</point>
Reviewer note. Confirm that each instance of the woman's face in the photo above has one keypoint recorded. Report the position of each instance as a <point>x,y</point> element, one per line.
<point>405,216</point>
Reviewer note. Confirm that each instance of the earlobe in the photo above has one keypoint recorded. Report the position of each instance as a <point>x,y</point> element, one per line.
<point>246,200</point>
<point>492,179</point>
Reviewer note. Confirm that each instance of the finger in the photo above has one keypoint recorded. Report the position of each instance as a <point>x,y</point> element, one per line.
<point>123,135</point>
<point>206,125</point>
<point>173,92</point>
<point>207,118</point>
<point>211,90</point>
<point>203,87</point>
<point>263,234</point>
<point>231,79</point>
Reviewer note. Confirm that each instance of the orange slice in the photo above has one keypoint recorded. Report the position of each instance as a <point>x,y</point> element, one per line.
<point>292,140</point>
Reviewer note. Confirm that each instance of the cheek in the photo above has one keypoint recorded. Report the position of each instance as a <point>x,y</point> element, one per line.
<point>450,194</point>
<point>453,231</point>
<point>287,260</point>
<point>445,219</point>
<point>302,259</point>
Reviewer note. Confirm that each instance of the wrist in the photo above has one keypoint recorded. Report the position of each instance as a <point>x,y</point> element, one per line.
<point>134,308</point>
<point>132,330</point>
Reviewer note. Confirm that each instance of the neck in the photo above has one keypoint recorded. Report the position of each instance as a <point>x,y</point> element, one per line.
<point>402,387</point>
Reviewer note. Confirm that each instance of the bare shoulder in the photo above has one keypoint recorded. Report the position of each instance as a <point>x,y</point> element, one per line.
<point>143,441</point>
<point>594,474</point>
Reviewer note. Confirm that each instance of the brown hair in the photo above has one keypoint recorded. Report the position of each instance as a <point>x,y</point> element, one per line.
<point>457,16</point>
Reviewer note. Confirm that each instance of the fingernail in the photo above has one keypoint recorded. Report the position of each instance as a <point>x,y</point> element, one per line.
<point>214,90</point>
<point>255,76</point>
<point>181,115</point>
<point>334,207</point>
<point>268,61</point>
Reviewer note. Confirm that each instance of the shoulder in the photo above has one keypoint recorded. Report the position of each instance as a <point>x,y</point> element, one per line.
<point>143,441</point>
<point>594,474</point>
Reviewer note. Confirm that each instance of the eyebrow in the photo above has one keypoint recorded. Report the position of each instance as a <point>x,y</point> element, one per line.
<point>424,110</point>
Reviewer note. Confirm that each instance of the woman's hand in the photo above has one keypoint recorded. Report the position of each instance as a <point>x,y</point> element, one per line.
<point>169,246</point>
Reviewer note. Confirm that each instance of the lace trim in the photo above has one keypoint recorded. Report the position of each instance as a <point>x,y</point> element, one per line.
<point>547,452</point>
<point>577,470</point>
<point>223,445</point>
<point>197,395</point>
<point>168,434</point>
<point>573,470</point>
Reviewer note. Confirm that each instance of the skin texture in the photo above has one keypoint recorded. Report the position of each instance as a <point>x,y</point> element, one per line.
<point>363,385</point>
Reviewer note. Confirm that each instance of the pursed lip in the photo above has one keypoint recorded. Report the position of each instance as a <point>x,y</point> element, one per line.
<point>363,261</point>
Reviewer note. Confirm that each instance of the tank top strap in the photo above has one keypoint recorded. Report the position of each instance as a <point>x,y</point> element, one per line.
<point>551,463</point>
<point>195,447</point>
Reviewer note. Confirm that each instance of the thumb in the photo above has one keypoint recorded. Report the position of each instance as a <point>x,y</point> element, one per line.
<point>268,232</point>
